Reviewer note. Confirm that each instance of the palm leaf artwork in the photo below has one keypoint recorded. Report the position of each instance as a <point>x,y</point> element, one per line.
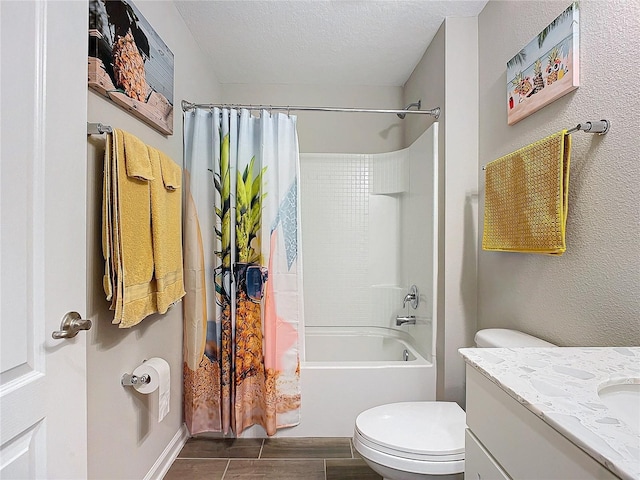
<point>561,18</point>
<point>518,59</point>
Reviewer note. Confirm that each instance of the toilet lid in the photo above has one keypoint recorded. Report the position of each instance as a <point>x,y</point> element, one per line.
<point>431,431</point>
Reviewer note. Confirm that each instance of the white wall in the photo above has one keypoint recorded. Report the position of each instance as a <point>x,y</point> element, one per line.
<point>417,243</point>
<point>124,437</point>
<point>461,194</point>
<point>332,132</point>
<point>591,294</point>
<point>446,77</point>
<point>427,83</point>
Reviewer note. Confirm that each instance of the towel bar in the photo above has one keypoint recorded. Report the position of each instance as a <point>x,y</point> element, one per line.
<point>98,128</point>
<point>601,127</point>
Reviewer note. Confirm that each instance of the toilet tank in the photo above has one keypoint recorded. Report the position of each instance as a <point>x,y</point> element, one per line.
<point>502,337</point>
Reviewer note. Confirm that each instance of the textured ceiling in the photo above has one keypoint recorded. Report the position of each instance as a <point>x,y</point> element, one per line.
<point>359,42</point>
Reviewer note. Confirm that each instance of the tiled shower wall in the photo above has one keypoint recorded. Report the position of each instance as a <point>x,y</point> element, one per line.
<point>335,244</point>
<point>367,235</point>
<point>350,238</point>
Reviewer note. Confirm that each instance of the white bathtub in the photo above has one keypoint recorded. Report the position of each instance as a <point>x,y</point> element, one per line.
<point>348,370</point>
<point>323,345</point>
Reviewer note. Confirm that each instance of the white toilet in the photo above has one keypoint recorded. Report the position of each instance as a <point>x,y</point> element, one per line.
<point>424,440</point>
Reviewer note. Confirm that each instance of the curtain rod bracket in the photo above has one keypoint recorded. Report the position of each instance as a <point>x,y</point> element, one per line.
<point>417,104</point>
<point>187,105</point>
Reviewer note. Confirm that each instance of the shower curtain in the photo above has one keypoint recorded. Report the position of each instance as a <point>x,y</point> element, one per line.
<point>243,271</point>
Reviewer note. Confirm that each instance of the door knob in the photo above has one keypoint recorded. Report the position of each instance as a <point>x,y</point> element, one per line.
<point>71,324</point>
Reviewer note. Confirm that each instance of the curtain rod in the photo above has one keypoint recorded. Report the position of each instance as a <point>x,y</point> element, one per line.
<point>186,106</point>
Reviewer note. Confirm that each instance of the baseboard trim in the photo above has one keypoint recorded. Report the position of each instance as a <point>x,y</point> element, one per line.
<point>169,454</point>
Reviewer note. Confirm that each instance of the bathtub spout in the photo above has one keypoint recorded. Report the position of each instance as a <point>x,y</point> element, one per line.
<point>409,320</point>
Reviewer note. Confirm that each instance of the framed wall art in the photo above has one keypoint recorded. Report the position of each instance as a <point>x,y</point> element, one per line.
<point>546,69</point>
<point>129,63</point>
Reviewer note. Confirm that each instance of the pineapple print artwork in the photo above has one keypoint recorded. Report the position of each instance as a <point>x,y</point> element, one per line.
<point>128,67</point>
<point>538,82</point>
<point>522,86</point>
<point>129,49</point>
<point>546,68</point>
<point>249,361</point>
<point>553,66</point>
<point>129,64</point>
<point>241,350</point>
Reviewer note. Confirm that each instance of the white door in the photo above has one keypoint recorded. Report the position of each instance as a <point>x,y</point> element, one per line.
<point>43,402</point>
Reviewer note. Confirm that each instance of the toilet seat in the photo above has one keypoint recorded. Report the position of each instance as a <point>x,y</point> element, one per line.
<point>420,437</point>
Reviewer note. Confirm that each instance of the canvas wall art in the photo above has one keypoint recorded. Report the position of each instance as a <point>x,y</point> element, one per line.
<point>129,63</point>
<point>546,69</point>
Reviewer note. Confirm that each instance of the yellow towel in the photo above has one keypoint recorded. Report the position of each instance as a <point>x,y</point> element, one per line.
<point>141,229</point>
<point>166,221</point>
<point>107,226</point>
<point>137,158</point>
<point>171,172</point>
<point>526,198</point>
<point>131,222</point>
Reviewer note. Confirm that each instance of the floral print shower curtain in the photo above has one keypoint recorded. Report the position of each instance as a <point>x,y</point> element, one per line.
<point>243,275</point>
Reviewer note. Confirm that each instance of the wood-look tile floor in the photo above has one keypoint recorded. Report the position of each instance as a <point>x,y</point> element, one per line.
<point>270,459</point>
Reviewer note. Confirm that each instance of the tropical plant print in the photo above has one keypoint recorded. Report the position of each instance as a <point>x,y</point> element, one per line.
<point>222,182</point>
<point>249,213</point>
<point>248,371</point>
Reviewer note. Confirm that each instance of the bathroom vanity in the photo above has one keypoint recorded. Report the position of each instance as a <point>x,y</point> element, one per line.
<point>552,413</point>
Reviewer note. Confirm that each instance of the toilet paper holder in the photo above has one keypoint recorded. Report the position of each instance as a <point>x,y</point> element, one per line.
<point>130,380</point>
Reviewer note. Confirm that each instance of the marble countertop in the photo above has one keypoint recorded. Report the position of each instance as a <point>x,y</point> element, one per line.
<point>560,385</point>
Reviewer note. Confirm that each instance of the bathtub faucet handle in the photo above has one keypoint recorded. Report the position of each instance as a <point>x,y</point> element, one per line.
<point>412,298</point>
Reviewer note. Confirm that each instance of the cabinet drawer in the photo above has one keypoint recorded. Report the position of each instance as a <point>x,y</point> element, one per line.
<point>478,462</point>
<point>523,444</point>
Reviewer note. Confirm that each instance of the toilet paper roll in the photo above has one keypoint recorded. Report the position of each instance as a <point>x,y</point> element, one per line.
<point>158,371</point>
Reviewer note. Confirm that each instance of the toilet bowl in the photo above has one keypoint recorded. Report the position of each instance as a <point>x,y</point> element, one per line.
<point>409,440</point>
<point>424,440</point>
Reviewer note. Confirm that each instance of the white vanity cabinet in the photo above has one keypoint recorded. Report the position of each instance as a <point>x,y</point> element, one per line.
<point>505,440</point>
<point>479,463</point>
